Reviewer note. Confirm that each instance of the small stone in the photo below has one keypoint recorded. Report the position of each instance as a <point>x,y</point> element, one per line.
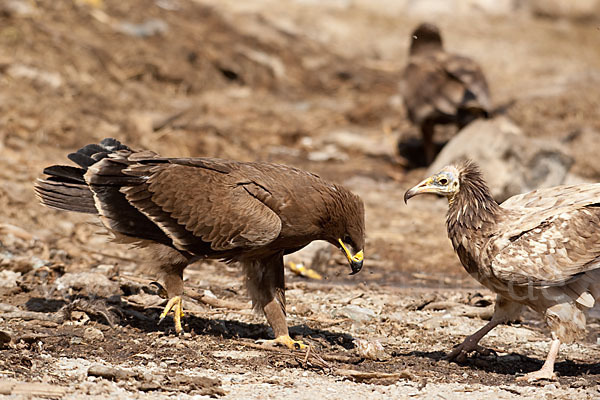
<point>355,313</point>
<point>9,278</point>
<point>110,373</point>
<point>371,349</point>
<point>91,283</point>
<point>76,340</point>
<point>149,386</point>
<point>92,334</point>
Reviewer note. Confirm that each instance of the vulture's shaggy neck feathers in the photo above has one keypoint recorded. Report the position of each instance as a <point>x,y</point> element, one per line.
<point>472,206</point>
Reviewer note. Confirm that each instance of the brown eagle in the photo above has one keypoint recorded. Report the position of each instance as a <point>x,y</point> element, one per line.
<point>186,209</point>
<point>440,87</point>
<point>540,249</point>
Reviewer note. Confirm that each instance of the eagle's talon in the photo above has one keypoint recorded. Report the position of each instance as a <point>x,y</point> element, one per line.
<point>285,340</point>
<point>175,305</point>
<point>160,290</point>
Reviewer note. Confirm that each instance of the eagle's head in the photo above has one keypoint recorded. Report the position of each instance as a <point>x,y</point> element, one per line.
<point>344,225</point>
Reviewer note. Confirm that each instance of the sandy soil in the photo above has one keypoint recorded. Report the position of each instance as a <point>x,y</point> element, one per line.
<point>302,83</point>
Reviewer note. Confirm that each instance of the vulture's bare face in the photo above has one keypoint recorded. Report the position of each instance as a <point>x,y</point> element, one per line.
<point>444,183</point>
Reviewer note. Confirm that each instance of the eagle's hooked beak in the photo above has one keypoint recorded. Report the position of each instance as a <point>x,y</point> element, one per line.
<point>356,260</point>
<point>426,186</point>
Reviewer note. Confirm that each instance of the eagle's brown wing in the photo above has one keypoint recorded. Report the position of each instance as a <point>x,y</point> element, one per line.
<point>202,205</point>
<point>549,236</point>
<point>437,84</point>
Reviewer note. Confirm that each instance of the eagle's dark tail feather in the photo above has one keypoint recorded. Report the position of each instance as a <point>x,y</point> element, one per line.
<point>65,188</point>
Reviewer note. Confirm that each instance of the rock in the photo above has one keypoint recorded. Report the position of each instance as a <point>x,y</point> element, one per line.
<point>21,71</point>
<point>114,374</point>
<point>91,283</point>
<point>315,256</point>
<point>356,142</point>
<point>429,8</point>
<point>572,9</point>
<point>453,7</point>
<point>328,152</point>
<point>439,321</point>
<point>203,385</point>
<point>148,28</point>
<point>511,162</point>
<point>355,313</point>
<point>9,278</point>
<point>585,143</point>
<point>92,334</point>
<point>371,349</point>
<point>18,8</point>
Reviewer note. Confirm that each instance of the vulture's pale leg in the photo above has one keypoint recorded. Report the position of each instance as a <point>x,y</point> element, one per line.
<point>471,343</point>
<point>504,311</point>
<point>547,370</point>
<point>266,286</point>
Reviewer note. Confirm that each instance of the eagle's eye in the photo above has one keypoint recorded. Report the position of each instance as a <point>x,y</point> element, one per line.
<point>348,240</point>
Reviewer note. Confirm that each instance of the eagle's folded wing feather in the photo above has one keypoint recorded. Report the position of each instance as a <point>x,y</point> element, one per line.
<point>196,206</point>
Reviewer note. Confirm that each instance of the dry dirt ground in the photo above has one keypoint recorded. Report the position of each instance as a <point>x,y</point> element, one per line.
<point>309,84</point>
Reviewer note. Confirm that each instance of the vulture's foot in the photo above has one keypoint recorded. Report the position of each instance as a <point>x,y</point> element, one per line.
<point>175,304</point>
<point>285,340</point>
<point>542,374</point>
<point>460,352</point>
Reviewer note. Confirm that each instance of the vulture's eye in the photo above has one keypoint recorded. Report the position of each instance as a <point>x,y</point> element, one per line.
<point>443,181</point>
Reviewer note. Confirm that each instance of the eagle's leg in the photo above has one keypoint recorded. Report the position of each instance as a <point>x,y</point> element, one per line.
<point>171,266</point>
<point>266,286</point>
<point>276,318</point>
<point>547,370</point>
<point>504,311</point>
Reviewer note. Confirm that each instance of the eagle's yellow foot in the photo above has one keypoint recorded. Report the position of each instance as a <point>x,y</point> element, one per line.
<point>285,340</point>
<point>300,269</point>
<point>174,304</point>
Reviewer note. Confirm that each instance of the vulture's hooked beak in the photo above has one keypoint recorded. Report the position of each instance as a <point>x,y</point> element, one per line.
<point>356,260</point>
<point>425,186</point>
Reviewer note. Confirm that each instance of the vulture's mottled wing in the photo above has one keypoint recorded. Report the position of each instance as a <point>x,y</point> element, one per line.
<point>549,236</point>
<point>195,203</point>
<point>438,84</point>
